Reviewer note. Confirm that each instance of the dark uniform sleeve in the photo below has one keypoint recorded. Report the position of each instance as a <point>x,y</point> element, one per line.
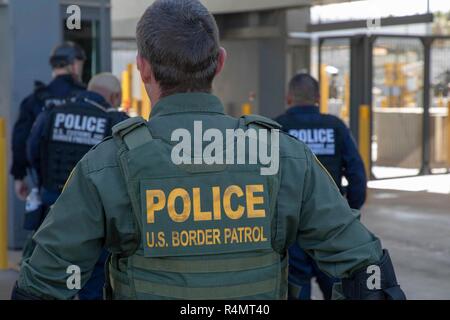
<point>329,230</point>
<point>354,171</point>
<point>21,132</point>
<point>34,141</point>
<point>45,273</point>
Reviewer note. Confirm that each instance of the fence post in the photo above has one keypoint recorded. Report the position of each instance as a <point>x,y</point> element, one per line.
<point>448,134</point>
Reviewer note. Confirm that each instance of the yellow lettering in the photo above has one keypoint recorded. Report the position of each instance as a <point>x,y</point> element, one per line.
<point>175,239</point>
<point>153,206</point>
<point>226,234</point>
<point>200,215</point>
<point>173,214</point>
<point>216,203</point>
<point>248,234</point>
<point>229,192</point>
<point>216,236</point>
<point>252,200</point>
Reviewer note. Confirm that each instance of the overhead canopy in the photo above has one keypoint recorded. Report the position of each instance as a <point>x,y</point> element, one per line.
<point>134,8</point>
<point>125,14</point>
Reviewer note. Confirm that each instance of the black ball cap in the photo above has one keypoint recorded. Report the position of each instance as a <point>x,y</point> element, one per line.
<point>65,54</point>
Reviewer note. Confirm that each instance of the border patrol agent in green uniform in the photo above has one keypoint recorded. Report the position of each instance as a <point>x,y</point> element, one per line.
<point>197,230</point>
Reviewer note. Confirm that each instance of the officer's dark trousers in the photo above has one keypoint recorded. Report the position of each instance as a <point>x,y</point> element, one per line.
<point>93,289</point>
<point>301,271</point>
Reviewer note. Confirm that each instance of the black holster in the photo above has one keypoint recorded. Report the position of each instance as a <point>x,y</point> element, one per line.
<point>107,288</point>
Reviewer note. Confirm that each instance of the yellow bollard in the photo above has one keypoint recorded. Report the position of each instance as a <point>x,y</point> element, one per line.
<point>3,198</point>
<point>324,89</point>
<point>346,107</point>
<point>246,109</point>
<point>364,136</point>
<point>126,87</point>
<point>146,103</point>
<point>448,133</point>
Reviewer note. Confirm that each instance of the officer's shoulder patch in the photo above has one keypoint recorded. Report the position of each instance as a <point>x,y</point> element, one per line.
<point>262,121</point>
<point>128,125</point>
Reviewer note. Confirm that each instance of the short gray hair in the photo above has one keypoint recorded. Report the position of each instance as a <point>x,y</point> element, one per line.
<point>180,39</point>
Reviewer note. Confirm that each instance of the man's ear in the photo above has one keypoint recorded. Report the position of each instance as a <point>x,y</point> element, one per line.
<point>116,99</point>
<point>144,69</point>
<point>289,100</point>
<point>318,99</point>
<point>221,60</point>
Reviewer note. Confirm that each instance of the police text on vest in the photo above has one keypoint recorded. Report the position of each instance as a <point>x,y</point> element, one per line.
<point>321,141</point>
<point>80,129</point>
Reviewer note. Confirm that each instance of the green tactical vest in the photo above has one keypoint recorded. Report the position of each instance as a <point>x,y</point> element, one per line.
<point>206,230</point>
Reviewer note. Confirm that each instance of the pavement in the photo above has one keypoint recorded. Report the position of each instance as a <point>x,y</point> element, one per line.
<point>9,277</point>
<point>413,225</point>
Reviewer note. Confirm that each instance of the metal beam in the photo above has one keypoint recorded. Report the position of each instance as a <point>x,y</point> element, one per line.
<point>356,24</point>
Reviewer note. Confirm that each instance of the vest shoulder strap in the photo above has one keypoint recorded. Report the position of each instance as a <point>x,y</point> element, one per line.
<point>133,132</point>
<point>260,121</point>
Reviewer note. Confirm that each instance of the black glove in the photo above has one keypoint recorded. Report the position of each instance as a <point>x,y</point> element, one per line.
<point>19,294</point>
<point>363,284</point>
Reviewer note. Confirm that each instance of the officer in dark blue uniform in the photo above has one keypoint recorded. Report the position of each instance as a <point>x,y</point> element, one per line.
<point>67,64</point>
<point>62,135</point>
<point>332,143</point>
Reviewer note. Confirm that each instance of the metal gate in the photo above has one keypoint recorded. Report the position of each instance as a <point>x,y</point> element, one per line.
<point>394,93</point>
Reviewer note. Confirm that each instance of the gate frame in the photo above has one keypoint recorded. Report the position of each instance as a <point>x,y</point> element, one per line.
<point>361,85</point>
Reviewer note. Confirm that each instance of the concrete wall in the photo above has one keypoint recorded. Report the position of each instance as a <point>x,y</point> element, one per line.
<point>272,78</point>
<point>240,75</point>
<point>261,58</point>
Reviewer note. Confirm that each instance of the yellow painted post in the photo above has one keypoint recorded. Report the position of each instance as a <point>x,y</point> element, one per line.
<point>364,136</point>
<point>3,198</point>
<point>324,89</point>
<point>126,87</point>
<point>448,133</point>
<point>246,109</point>
<point>346,107</point>
<point>126,101</point>
<point>146,103</point>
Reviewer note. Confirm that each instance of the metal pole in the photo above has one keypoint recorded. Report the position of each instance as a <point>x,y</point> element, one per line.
<point>425,169</point>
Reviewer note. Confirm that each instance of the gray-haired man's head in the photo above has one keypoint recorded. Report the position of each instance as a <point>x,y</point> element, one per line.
<point>303,91</point>
<point>179,39</point>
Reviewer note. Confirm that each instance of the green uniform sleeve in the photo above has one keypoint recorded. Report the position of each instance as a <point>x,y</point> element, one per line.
<point>71,235</point>
<point>329,230</point>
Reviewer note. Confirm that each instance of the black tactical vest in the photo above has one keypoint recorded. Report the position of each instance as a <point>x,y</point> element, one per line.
<point>70,132</point>
<point>323,138</point>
